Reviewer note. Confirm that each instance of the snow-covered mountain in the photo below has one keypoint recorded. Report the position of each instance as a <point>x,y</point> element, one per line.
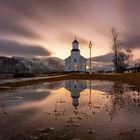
<point>30,65</point>
<point>104,62</point>
<point>52,64</point>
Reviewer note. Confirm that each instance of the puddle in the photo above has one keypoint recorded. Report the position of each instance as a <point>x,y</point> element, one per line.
<point>71,110</point>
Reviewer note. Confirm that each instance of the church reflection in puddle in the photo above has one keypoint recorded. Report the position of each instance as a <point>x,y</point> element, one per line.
<point>75,87</point>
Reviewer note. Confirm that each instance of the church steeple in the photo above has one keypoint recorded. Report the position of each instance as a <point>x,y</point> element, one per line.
<point>75,45</point>
<point>75,41</point>
<point>75,101</point>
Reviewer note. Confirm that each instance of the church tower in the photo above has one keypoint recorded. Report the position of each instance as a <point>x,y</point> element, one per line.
<point>75,56</point>
<point>75,45</point>
<point>75,62</point>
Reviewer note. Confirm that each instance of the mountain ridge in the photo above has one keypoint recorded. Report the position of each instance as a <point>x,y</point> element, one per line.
<point>11,65</point>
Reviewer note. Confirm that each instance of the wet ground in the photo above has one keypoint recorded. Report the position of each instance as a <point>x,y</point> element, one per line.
<point>71,110</point>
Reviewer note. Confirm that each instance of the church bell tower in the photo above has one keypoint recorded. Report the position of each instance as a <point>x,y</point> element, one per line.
<point>75,45</point>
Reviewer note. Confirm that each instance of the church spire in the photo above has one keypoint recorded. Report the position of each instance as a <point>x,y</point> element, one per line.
<point>75,41</point>
<point>75,37</point>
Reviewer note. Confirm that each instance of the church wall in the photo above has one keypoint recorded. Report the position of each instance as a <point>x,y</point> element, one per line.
<point>68,65</point>
<point>83,67</point>
<point>75,60</point>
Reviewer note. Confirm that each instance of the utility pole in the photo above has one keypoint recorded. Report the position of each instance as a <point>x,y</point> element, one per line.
<point>90,46</point>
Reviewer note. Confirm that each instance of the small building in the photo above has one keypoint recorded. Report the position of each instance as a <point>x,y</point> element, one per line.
<point>75,62</point>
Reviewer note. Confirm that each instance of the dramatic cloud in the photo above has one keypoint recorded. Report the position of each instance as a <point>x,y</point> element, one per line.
<point>69,37</point>
<point>54,23</point>
<point>13,48</point>
<point>132,42</point>
<point>130,14</point>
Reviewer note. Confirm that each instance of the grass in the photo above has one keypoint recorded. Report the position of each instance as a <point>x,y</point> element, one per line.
<point>130,78</point>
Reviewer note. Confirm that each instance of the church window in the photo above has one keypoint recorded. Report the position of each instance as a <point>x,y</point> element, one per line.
<point>75,60</point>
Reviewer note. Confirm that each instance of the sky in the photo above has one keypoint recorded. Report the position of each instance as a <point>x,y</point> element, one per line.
<point>36,28</point>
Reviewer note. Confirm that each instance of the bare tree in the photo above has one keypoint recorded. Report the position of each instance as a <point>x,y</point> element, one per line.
<point>115,48</point>
<point>120,58</point>
<point>124,59</point>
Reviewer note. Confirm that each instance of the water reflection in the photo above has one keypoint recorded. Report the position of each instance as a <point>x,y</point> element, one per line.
<point>75,87</point>
<point>49,108</point>
<point>90,100</point>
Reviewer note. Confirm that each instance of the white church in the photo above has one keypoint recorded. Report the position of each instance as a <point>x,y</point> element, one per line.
<point>75,62</point>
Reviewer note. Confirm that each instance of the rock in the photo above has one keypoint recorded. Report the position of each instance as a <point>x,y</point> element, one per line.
<point>76,124</point>
<point>46,130</point>
<point>68,124</point>
<point>47,113</point>
<point>98,107</point>
<point>108,113</point>
<point>5,112</point>
<point>91,131</point>
<point>70,120</point>
<point>123,133</point>
<point>79,118</point>
<point>93,112</point>
<point>57,114</point>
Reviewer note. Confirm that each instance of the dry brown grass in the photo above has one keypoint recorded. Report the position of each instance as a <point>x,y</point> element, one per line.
<point>130,78</point>
<point>133,79</point>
